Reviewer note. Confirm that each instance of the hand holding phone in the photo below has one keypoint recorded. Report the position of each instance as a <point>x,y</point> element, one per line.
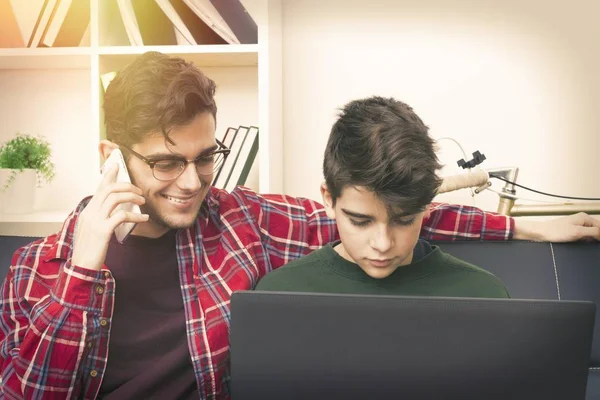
<point>125,228</point>
<point>115,203</point>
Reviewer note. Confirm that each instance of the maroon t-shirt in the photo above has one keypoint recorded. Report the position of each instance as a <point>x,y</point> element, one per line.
<point>148,355</point>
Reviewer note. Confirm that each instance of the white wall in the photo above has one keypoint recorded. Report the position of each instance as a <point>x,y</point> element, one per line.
<point>54,104</point>
<point>517,80</point>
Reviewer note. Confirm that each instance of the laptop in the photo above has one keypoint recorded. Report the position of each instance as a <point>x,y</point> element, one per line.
<point>288,345</point>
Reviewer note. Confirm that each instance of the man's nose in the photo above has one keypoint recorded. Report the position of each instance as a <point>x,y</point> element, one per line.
<point>189,179</point>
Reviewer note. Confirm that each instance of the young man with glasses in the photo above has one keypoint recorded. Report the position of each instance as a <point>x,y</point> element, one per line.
<point>83,316</point>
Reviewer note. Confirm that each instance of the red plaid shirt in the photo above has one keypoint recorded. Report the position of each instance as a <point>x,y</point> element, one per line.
<point>56,316</point>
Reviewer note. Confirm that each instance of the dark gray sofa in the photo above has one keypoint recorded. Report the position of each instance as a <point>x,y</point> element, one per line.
<point>565,271</point>
<point>568,271</point>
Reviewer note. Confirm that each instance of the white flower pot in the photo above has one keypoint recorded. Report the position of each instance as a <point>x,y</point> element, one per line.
<point>19,198</point>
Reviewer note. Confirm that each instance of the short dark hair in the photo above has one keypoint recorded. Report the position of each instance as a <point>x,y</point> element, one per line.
<point>381,144</point>
<point>155,93</point>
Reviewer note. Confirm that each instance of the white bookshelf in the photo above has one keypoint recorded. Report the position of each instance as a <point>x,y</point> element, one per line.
<point>45,58</point>
<point>56,92</point>
<point>218,55</point>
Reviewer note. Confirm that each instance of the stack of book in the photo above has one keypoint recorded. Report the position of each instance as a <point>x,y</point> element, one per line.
<point>243,143</point>
<point>65,23</point>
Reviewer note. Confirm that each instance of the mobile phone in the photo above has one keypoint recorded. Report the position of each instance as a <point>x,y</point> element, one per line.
<point>116,157</point>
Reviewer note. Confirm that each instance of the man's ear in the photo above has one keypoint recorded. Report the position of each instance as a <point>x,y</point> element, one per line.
<point>327,201</point>
<point>105,148</point>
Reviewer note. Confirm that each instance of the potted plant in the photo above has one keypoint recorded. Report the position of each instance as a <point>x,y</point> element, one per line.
<point>24,160</point>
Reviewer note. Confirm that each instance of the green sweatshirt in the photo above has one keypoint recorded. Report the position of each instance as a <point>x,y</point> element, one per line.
<point>434,274</point>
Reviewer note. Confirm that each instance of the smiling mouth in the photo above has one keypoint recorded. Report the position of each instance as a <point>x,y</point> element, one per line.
<point>179,200</point>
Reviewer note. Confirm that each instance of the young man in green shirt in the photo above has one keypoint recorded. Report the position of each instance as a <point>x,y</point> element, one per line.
<point>380,172</point>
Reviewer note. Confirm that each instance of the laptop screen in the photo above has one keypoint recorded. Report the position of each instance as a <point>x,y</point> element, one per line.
<point>324,346</point>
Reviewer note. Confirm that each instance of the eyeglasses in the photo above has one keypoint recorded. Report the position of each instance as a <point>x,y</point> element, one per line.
<point>170,168</point>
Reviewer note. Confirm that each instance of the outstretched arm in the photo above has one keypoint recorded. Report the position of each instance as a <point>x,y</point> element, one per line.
<point>574,227</point>
<point>460,222</point>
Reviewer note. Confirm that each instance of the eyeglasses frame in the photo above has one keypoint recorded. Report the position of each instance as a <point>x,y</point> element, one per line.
<point>151,163</point>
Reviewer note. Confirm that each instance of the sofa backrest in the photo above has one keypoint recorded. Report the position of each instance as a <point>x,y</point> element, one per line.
<point>8,246</point>
<point>564,271</point>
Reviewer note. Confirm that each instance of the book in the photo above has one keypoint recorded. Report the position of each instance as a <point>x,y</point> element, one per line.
<point>130,22</point>
<point>245,159</point>
<point>85,39</point>
<point>235,148</point>
<point>112,25</point>
<point>228,136</point>
<point>68,24</point>
<point>41,25</point>
<point>200,31</point>
<point>155,27</point>
<point>27,14</point>
<point>10,33</point>
<point>181,30</point>
<point>181,40</point>
<point>227,140</point>
<point>211,17</point>
<point>238,19</point>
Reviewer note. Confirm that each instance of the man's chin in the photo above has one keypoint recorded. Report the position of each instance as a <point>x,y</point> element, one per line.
<point>182,224</point>
<point>178,222</point>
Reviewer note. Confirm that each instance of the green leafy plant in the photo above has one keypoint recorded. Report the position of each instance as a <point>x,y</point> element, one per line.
<point>26,151</point>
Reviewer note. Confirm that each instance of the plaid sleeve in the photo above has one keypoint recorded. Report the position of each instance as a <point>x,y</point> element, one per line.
<point>460,222</point>
<point>43,329</point>
<point>290,227</point>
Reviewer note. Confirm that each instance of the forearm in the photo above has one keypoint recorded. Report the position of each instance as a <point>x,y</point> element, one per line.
<point>569,228</point>
<point>457,222</point>
<point>460,222</point>
<point>528,230</point>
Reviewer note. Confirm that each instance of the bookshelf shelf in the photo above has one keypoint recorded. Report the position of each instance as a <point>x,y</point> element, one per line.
<point>46,58</point>
<point>115,57</point>
<point>183,49</point>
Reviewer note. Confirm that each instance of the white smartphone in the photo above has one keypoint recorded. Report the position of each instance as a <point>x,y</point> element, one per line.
<point>116,157</point>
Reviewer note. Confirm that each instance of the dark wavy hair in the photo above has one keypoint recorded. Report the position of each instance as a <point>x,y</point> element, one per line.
<point>153,94</point>
<point>381,144</point>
